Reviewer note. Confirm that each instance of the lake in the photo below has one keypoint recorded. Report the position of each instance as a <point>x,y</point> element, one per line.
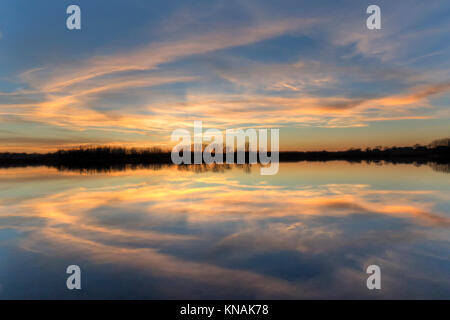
<point>226,232</point>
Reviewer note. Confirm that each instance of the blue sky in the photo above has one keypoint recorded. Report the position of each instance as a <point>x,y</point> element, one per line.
<point>139,69</point>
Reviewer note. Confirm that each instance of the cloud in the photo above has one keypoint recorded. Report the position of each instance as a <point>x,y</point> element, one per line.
<point>219,111</point>
<point>66,92</point>
<point>155,54</point>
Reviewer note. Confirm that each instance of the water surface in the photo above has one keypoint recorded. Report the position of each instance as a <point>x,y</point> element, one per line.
<point>308,232</point>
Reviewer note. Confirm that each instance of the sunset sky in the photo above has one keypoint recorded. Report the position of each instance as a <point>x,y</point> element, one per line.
<point>139,69</point>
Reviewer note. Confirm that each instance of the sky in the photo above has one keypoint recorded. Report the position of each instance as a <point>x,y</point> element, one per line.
<point>137,70</point>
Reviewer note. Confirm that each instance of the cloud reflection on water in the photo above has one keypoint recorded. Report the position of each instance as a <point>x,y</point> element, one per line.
<point>229,234</point>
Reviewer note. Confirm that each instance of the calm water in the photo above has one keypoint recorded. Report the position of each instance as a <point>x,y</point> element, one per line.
<point>308,232</point>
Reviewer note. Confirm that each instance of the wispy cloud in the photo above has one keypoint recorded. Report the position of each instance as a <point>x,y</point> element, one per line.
<point>155,54</point>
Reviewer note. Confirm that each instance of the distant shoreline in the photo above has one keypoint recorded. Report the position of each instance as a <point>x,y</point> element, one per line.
<point>104,157</point>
